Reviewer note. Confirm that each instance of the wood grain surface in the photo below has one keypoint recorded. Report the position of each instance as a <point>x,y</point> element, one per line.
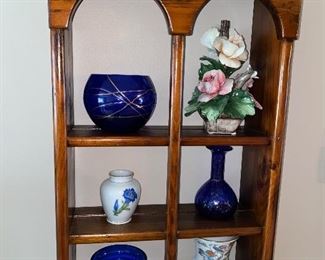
<point>92,136</point>
<point>63,156</point>
<point>174,148</point>
<point>89,225</point>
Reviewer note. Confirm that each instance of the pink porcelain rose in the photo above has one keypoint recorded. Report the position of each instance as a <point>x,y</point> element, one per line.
<point>214,83</point>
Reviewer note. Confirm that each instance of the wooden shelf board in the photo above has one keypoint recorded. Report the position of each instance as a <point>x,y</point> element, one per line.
<point>196,136</point>
<point>148,223</point>
<point>192,225</point>
<point>91,136</point>
<point>89,225</point>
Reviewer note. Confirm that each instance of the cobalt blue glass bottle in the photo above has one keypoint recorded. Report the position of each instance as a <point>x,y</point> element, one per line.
<point>216,199</point>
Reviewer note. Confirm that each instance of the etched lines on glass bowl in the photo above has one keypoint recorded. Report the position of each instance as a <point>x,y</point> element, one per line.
<point>126,102</point>
<point>120,103</point>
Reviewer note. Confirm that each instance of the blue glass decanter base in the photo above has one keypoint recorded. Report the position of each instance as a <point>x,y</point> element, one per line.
<point>216,199</point>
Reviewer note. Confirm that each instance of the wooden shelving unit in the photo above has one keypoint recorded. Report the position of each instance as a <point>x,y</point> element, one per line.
<point>275,28</point>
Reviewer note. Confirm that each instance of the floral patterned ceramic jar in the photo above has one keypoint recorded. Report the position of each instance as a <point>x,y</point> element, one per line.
<point>214,248</point>
<point>120,195</point>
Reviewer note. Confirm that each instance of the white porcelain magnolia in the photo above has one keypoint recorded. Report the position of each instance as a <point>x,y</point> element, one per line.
<point>120,194</point>
<point>209,37</point>
<point>231,51</point>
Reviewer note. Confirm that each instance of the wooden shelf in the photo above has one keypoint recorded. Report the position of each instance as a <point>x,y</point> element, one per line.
<point>192,225</point>
<point>196,136</point>
<point>91,136</point>
<point>149,223</point>
<point>89,225</point>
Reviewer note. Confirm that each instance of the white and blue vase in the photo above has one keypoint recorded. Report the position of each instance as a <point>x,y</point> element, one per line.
<point>119,103</point>
<point>120,195</point>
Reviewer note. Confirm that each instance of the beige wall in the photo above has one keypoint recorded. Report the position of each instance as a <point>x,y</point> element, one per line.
<point>26,179</point>
<point>27,220</point>
<point>301,223</point>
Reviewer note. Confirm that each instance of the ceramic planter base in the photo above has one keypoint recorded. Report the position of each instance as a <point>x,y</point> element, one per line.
<point>222,126</point>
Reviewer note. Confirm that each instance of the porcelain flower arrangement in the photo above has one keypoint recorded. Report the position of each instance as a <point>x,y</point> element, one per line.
<point>222,96</point>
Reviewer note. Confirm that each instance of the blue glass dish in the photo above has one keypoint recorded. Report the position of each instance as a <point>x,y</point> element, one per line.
<point>119,252</point>
<point>119,103</point>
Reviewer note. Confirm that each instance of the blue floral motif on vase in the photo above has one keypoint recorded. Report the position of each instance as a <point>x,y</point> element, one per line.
<point>119,103</point>
<point>216,199</point>
<point>129,196</point>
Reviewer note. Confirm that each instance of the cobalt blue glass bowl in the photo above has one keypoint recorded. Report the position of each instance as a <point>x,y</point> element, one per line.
<point>119,252</point>
<point>119,103</point>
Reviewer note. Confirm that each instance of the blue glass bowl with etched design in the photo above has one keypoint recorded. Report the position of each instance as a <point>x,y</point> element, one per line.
<point>119,103</point>
<point>119,252</point>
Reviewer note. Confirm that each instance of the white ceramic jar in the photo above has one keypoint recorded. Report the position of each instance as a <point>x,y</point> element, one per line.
<point>120,195</point>
<point>216,248</point>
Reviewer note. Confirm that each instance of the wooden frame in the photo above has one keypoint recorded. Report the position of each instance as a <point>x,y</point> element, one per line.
<point>275,27</point>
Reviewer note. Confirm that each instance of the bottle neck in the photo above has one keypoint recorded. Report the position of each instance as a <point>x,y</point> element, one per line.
<point>218,161</point>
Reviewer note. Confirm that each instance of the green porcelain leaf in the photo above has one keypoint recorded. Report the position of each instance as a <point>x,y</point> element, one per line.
<point>193,104</point>
<point>240,104</point>
<point>211,64</point>
<point>214,108</point>
<point>191,108</point>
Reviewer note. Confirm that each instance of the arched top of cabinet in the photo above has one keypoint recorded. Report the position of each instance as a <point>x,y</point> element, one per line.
<point>181,14</point>
<point>286,16</point>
